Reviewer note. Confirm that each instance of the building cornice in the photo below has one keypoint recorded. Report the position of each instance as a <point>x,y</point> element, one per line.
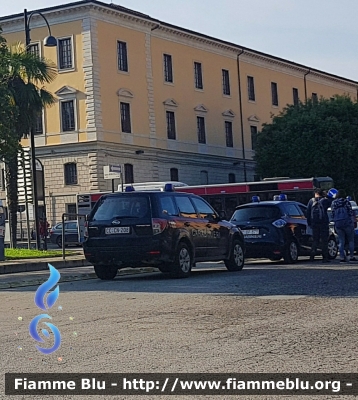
<point>139,21</point>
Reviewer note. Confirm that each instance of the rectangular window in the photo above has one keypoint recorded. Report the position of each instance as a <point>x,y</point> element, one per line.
<point>201,129</point>
<point>68,116</point>
<point>314,98</point>
<point>34,49</point>
<point>128,173</point>
<point>122,56</point>
<point>295,96</point>
<point>228,134</point>
<point>226,82</point>
<point>126,118</point>
<point>38,124</point>
<point>198,74</point>
<point>251,88</point>
<point>174,174</point>
<point>204,178</point>
<point>168,68</point>
<point>71,209</point>
<point>70,174</point>
<point>65,53</point>
<point>274,94</point>
<point>232,178</point>
<point>171,133</point>
<point>253,137</point>
<point>2,179</point>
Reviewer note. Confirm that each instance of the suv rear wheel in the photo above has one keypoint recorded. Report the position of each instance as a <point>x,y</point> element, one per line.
<point>332,248</point>
<point>236,260</point>
<point>105,272</point>
<point>183,262</point>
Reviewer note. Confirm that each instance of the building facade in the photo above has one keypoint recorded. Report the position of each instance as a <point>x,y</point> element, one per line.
<point>164,102</point>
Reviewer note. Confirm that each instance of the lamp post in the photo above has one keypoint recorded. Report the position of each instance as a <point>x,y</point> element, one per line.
<point>49,41</point>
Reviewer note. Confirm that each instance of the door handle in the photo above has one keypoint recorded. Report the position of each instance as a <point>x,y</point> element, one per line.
<point>186,223</point>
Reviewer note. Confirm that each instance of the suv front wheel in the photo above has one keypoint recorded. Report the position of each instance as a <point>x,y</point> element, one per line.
<point>183,262</point>
<point>291,253</point>
<point>105,272</point>
<point>236,260</point>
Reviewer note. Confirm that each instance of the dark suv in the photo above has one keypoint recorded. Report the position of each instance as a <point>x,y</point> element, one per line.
<point>168,230</point>
<point>277,229</point>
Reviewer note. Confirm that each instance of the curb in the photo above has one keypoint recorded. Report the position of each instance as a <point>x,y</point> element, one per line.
<point>76,277</point>
<point>41,265</point>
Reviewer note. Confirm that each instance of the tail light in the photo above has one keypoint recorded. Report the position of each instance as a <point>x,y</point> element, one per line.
<point>158,225</point>
<point>85,234</point>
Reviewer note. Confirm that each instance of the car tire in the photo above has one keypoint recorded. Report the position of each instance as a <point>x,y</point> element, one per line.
<point>332,248</point>
<point>237,259</point>
<point>291,253</point>
<point>105,272</point>
<point>164,269</point>
<point>181,267</point>
<point>59,241</point>
<point>278,258</point>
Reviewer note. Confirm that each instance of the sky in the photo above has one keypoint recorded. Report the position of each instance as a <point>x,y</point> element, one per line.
<point>320,34</point>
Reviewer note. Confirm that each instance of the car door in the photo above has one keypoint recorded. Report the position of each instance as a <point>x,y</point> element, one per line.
<point>190,223</point>
<point>217,234</point>
<point>297,223</point>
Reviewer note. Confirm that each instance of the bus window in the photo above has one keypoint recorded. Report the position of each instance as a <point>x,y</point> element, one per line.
<point>216,203</point>
<point>230,205</point>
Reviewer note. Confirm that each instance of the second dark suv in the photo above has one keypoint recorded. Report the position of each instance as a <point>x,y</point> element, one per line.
<point>277,229</point>
<point>168,230</point>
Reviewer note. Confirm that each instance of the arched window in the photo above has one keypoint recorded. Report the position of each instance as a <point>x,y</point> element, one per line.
<point>128,173</point>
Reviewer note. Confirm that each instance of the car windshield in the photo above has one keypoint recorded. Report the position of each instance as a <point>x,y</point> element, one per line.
<point>260,213</point>
<point>110,208</point>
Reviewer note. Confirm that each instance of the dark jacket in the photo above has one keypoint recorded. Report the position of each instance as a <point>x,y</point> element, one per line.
<point>342,203</point>
<point>326,203</point>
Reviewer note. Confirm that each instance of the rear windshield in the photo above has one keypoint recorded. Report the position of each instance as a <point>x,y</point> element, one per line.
<point>109,208</point>
<point>255,214</point>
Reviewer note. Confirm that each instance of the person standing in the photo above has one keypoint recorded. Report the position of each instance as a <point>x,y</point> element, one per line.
<point>318,221</point>
<point>343,218</point>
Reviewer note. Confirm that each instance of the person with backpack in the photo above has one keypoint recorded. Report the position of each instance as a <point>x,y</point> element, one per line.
<point>318,221</point>
<point>343,218</point>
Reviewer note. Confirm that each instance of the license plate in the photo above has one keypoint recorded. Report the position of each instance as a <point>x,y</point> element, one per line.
<point>251,232</point>
<point>117,229</point>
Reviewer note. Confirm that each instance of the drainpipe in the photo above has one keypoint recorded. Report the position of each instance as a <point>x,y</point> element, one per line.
<point>305,83</point>
<point>241,117</point>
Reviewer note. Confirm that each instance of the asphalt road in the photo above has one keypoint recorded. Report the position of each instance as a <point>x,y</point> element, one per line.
<point>270,317</point>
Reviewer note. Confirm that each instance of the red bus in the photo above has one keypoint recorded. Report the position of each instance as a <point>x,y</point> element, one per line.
<point>229,195</point>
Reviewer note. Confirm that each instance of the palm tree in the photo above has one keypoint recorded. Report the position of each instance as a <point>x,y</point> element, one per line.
<point>26,75</point>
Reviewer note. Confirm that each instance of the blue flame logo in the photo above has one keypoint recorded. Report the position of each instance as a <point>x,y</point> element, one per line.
<point>45,304</point>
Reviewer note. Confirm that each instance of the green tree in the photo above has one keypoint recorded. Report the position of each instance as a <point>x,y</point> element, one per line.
<point>312,139</point>
<point>24,75</point>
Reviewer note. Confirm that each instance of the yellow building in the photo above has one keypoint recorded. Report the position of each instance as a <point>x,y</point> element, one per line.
<point>165,102</point>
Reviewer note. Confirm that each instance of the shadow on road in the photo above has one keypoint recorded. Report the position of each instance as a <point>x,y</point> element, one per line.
<point>256,279</point>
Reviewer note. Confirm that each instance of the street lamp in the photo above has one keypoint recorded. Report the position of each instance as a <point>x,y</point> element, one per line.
<point>49,41</point>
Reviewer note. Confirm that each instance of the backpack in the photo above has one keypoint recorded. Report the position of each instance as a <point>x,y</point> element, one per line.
<point>317,211</point>
<point>341,217</point>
